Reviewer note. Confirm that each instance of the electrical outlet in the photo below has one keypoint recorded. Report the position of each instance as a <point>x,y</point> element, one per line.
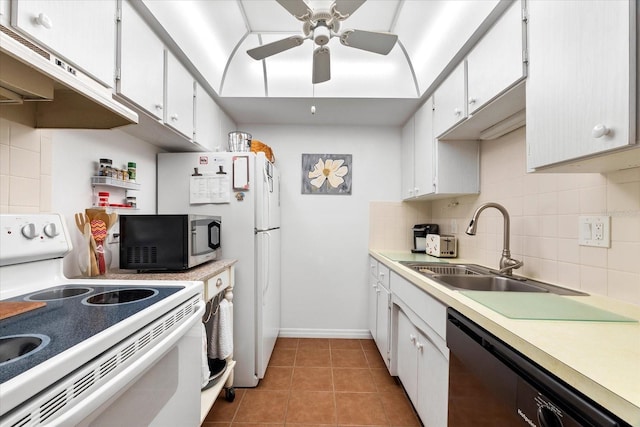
<point>113,238</point>
<point>454,226</point>
<point>594,231</point>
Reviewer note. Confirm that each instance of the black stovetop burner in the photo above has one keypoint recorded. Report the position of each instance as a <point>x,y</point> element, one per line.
<point>73,314</point>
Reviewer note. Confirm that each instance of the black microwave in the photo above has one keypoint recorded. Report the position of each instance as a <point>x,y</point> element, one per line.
<point>168,242</point>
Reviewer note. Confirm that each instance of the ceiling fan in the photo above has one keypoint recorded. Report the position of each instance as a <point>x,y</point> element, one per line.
<point>321,26</point>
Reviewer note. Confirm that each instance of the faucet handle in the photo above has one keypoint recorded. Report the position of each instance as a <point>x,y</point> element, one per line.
<point>508,264</point>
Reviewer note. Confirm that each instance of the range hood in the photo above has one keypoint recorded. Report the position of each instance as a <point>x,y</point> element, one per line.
<point>42,91</point>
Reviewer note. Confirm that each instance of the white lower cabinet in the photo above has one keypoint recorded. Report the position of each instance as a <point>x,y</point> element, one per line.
<point>379,297</point>
<point>420,357</point>
<point>424,372</point>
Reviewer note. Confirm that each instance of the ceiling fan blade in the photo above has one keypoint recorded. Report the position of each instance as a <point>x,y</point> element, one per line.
<point>297,8</point>
<point>371,41</point>
<point>321,65</point>
<point>269,49</point>
<point>346,7</point>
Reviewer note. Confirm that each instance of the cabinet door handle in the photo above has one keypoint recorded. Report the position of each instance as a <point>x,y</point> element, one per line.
<point>159,106</point>
<point>174,117</point>
<point>412,338</point>
<point>599,131</point>
<point>457,111</point>
<point>419,346</point>
<point>472,101</point>
<point>381,275</point>
<point>45,21</point>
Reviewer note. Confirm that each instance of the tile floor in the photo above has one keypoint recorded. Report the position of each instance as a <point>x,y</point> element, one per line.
<point>313,382</point>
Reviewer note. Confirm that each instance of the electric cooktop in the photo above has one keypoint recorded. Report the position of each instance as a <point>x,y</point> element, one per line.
<point>72,314</point>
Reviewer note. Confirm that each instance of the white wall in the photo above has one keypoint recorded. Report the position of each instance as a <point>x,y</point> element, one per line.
<point>325,237</point>
<point>75,154</point>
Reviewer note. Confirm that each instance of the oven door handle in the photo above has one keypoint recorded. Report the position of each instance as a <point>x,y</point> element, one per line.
<point>109,391</point>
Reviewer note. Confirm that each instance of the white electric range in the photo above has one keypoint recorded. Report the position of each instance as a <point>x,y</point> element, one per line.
<point>98,352</point>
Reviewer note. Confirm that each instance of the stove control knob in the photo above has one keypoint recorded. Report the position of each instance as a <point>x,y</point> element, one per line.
<point>51,230</point>
<point>29,231</point>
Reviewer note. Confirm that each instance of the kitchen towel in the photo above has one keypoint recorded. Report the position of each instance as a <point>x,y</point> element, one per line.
<point>205,373</point>
<point>221,332</point>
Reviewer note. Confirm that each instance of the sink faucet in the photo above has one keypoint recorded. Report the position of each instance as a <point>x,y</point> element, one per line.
<point>507,264</point>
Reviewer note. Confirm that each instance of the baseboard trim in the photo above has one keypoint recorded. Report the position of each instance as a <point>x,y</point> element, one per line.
<point>324,333</point>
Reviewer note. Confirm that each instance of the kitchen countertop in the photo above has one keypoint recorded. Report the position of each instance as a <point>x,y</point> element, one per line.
<point>600,359</point>
<point>201,272</point>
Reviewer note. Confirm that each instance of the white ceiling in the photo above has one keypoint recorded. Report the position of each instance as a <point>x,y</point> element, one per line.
<point>380,89</point>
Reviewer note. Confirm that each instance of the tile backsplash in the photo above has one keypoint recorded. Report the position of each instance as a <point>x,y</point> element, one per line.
<point>25,168</point>
<point>544,210</point>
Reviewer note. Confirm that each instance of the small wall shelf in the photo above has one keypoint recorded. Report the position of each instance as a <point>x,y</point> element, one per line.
<point>112,182</point>
<point>107,181</point>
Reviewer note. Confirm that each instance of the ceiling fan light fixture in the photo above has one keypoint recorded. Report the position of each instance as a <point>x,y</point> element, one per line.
<point>321,35</point>
<point>321,26</point>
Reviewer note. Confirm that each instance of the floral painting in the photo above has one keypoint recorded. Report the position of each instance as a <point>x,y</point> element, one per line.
<point>326,173</point>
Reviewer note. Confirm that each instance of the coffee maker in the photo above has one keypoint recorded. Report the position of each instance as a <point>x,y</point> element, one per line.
<point>420,232</point>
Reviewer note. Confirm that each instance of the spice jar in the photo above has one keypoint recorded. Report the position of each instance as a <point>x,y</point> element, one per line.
<point>103,198</point>
<point>131,168</point>
<point>105,165</point>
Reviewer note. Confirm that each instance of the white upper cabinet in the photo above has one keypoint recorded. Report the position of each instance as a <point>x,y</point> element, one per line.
<point>207,122</point>
<point>423,150</point>
<point>407,159</point>
<point>437,168</point>
<point>496,63</point>
<point>581,88</point>
<point>417,152</point>
<point>450,101</point>
<point>179,100</point>
<point>493,82</point>
<point>141,62</point>
<point>80,32</point>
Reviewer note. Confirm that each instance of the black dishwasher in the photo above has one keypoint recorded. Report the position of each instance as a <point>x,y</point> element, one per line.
<point>491,384</point>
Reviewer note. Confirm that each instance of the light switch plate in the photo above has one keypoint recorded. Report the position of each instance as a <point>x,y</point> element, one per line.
<point>594,231</point>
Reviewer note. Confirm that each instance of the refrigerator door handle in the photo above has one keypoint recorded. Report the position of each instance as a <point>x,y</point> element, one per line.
<point>266,264</point>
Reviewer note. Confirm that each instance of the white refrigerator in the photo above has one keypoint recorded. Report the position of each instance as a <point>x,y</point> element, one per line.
<point>244,189</point>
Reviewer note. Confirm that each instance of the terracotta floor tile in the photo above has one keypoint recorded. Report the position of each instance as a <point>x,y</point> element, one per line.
<point>313,343</point>
<point>312,379</point>
<point>255,425</point>
<point>214,424</point>
<point>258,406</point>
<point>374,359</point>
<point>360,409</point>
<point>384,381</point>
<point>368,345</point>
<point>283,357</point>
<point>398,409</point>
<point>287,343</point>
<point>348,359</point>
<point>348,344</point>
<point>223,411</point>
<point>277,378</point>
<point>320,357</point>
<point>353,379</point>
<point>311,407</point>
<point>307,425</point>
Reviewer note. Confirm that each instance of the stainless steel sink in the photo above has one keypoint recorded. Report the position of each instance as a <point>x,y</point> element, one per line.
<point>472,277</point>
<point>488,283</point>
